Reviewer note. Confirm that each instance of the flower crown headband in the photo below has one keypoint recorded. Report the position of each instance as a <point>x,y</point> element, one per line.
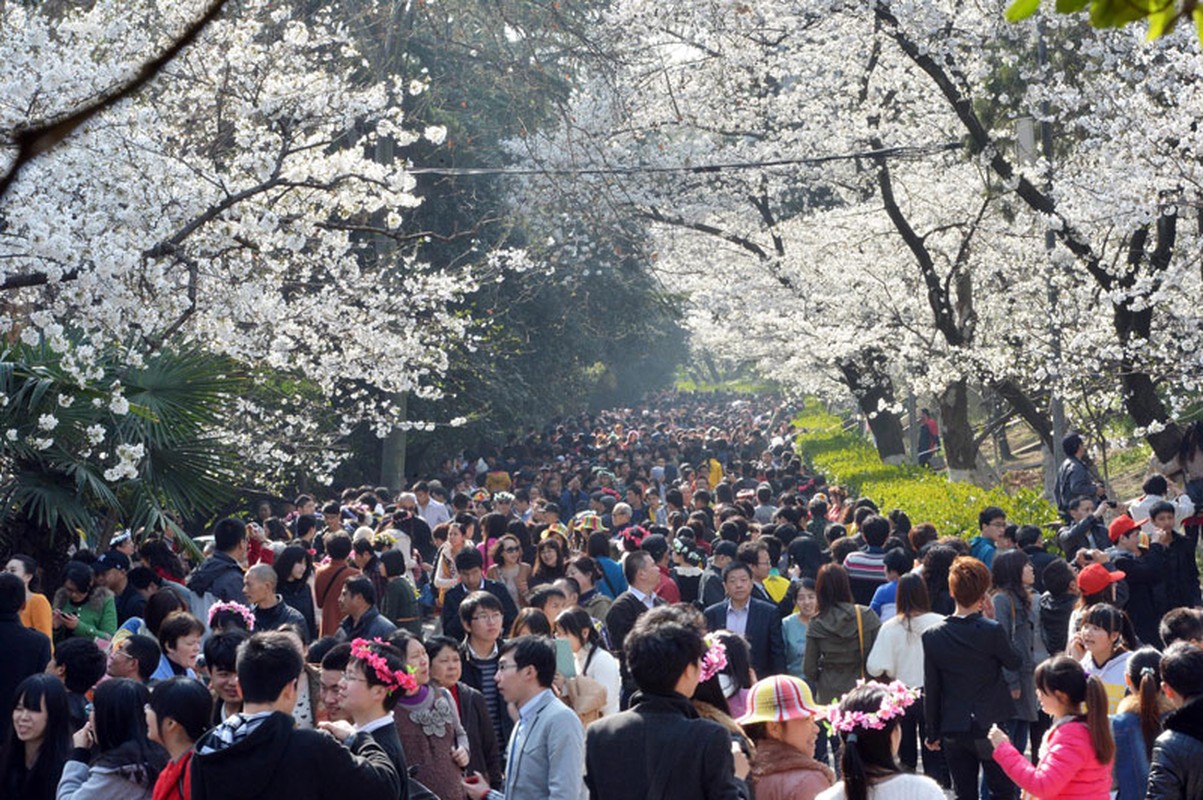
<point>247,615</point>
<point>714,659</point>
<point>897,700</point>
<point>393,680</point>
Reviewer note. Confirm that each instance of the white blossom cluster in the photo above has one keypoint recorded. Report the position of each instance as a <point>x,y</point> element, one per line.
<point>233,203</point>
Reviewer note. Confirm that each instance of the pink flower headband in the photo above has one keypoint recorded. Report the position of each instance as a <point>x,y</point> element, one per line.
<point>897,700</point>
<point>714,659</point>
<point>247,615</point>
<point>393,680</point>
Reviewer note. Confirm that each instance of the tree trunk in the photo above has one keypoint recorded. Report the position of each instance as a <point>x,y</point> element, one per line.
<point>960,445</point>
<point>874,393</point>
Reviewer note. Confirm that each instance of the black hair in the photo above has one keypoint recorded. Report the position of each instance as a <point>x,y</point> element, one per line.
<point>143,578</point>
<point>289,557</point>
<point>635,561</point>
<point>598,545</point>
<point>80,575</point>
<point>1006,573</point>
<point>737,566</point>
<point>898,561</point>
<point>145,652</point>
<point>576,621</point>
<point>361,546</point>
<point>1112,620</point>
<point>12,593</point>
<point>185,700</point>
<point>868,757</point>
<point>118,707</point>
<point>82,661</point>
<point>393,659</point>
<point>35,692</point>
<point>1181,624</point>
<point>436,644</point>
<point>333,658</point>
<point>1182,669</point>
<point>221,649</point>
<point>1028,536</point>
<point>1065,675</point>
<point>177,626</point>
<point>1160,507</point>
<point>338,545</point>
<point>533,651</point>
<point>159,607</point>
<point>228,534</point>
<point>660,647</point>
<point>475,601</point>
<point>539,597</point>
<point>1143,671</point>
<point>30,566</point>
<point>156,553</point>
<point>739,658</point>
<point>362,586</point>
<point>305,524</point>
<point>1155,484</point>
<point>533,620</point>
<point>989,514</point>
<point>875,529</point>
<point>469,558</point>
<point>1057,577</point>
<point>1077,502</point>
<point>394,563</point>
<point>267,663</point>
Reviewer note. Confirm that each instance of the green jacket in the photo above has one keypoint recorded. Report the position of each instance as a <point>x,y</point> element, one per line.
<point>834,658</point>
<point>97,615</point>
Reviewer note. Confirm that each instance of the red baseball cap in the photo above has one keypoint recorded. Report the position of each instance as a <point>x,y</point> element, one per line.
<point>1095,578</point>
<point>1122,526</point>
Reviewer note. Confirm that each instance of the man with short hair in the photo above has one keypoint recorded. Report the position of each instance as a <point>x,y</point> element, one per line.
<point>866,566</point>
<point>1085,529</point>
<point>1143,564</point>
<point>1073,476</point>
<point>897,563</point>
<point>1182,625</point>
<point>357,601</point>
<point>550,599</point>
<point>221,661</point>
<point>1176,767</point>
<point>1031,541</point>
<point>643,576</point>
<point>80,665</point>
<point>1156,489</point>
<point>26,651</point>
<point>990,522</point>
<point>660,747</point>
<point>1181,570</point>
<point>259,754</point>
<point>710,588</point>
<point>112,571</point>
<point>135,657</point>
<point>432,511</point>
<point>755,620</point>
<point>333,664</point>
<point>546,753</point>
<point>221,573</point>
<point>271,612</point>
<point>481,618</point>
<point>657,546</point>
<point>760,563</point>
<point>469,567</point>
<point>328,583</point>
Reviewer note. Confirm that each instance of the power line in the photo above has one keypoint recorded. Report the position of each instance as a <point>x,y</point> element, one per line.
<point>918,151</point>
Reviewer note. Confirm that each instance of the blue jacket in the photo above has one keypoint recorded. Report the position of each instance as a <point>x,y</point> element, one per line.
<point>1131,759</point>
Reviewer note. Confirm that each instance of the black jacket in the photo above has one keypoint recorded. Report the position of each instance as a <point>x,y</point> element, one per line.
<point>453,627</point>
<point>765,643</point>
<point>1054,621</point>
<point>1040,559</point>
<point>1181,571</point>
<point>299,595</point>
<point>271,619</point>
<point>474,678</point>
<point>808,553</point>
<point>484,756</point>
<point>619,620</point>
<point>963,685</point>
<point>1145,577</point>
<point>1176,769</point>
<point>221,575</point>
<point>710,588</point>
<point>26,652</point>
<point>659,749</point>
<point>388,740</point>
<point>371,625</point>
<point>1089,531</point>
<point>278,762</point>
<point>1073,480</point>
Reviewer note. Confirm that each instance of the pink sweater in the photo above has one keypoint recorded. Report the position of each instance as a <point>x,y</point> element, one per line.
<point>1068,768</point>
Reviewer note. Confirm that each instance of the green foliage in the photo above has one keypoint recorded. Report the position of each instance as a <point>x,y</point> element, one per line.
<point>849,460</point>
<point>1162,15</point>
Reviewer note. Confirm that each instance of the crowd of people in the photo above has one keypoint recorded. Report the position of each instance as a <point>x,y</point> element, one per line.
<point>662,602</point>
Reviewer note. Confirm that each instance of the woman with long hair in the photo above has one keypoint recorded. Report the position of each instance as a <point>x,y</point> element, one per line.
<point>429,724</point>
<point>1014,609</point>
<point>294,582</point>
<point>587,572</point>
<point>868,723</point>
<point>37,613</point>
<point>1138,723</point>
<point>898,655</point>
<point>590,654</point>
<point>549,562</point>
<point>1106,640</point>
<point>82,607</point>
<point>508,567</point>
<point>32,760</point>
<point>445,575</point>
<point>936,563</point>
<point>157,555</point>
<point>122,761</point>
<point>840,638</point>
<point>176,716</point>
<point>492,528</point>
<point>530,622</point>
<point>1076,755</point>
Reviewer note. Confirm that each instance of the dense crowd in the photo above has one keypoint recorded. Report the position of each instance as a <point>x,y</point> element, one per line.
<point>661,602</point>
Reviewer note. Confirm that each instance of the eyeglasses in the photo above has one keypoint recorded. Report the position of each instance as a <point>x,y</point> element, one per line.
<point>487,618</point>
<point>511,549</point>
<point>502,666</point>
<point>349,678</point>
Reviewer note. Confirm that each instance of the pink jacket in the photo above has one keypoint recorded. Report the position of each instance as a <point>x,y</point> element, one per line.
<point>1068,768</point>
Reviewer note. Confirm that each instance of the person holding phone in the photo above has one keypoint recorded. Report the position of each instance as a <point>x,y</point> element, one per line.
<point>82,607</point>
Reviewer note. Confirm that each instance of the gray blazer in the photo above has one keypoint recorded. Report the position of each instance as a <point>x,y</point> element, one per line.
<point>551,763</point>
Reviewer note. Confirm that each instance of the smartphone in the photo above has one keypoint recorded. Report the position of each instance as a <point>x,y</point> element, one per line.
<point>565,662</point>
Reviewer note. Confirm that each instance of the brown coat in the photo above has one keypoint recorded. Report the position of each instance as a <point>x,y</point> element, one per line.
<point>327,584</point>
<point>779,772</point>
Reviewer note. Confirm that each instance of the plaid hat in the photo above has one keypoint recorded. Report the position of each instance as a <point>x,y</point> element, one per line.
<point>1095,578</point>
<point>1121,526</point>
<point>780,699</point>
<point>109,560</point>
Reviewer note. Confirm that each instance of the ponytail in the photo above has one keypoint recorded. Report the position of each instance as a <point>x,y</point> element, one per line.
<point>852,767</point>
<point>1150,717</point>
<point>1098,722</point>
